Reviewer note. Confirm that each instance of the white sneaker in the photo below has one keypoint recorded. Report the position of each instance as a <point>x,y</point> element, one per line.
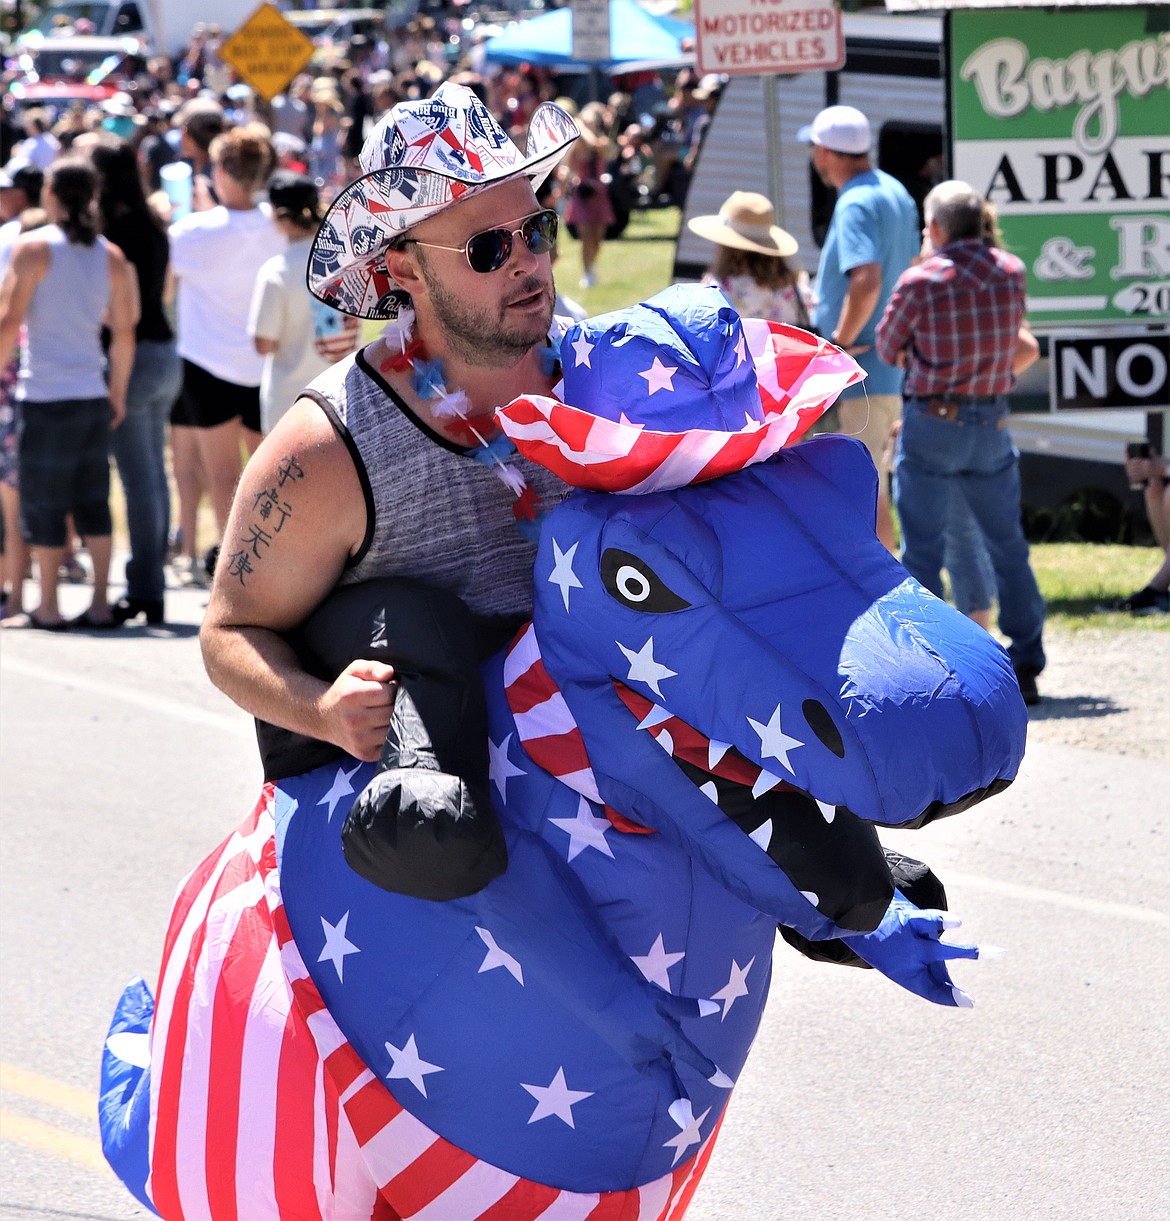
<point>588,280</point>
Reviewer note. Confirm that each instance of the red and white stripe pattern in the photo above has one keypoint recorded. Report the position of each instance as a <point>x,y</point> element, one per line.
<point>543,720</point>
<point>260,1108</point>
<point>244,1120</point>
<point>799,377</point>
<point>546,727</point>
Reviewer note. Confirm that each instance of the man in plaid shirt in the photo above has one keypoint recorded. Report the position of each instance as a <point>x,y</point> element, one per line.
<point>954,324</point>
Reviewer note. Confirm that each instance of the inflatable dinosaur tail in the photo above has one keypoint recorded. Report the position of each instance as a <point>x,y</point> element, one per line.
<point>124,1099</point>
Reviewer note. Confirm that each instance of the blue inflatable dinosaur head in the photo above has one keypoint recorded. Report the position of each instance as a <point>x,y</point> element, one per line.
<point>735,654</point>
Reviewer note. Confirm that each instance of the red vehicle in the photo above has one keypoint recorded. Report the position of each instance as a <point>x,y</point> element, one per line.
<point>60,71</point>
<point>59,95</point>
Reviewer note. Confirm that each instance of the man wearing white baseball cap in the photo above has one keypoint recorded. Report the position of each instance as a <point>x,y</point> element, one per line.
<point>872,239</point>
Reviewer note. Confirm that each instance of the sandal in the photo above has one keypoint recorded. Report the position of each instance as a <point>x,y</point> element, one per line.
<point>28,620</point>
<point>88,624</point>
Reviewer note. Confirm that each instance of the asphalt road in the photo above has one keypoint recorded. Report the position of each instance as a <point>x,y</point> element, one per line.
<point>120,767</point>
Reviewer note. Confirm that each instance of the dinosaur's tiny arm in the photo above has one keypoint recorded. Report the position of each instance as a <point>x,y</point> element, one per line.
<point>908,948</point>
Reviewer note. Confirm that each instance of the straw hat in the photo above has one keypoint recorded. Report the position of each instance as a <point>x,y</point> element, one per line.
<point>745,221</point>
<point>324,91</point>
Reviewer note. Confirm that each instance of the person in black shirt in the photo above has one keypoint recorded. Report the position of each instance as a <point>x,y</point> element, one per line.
<point>153,150</point>
<point>155,378</point>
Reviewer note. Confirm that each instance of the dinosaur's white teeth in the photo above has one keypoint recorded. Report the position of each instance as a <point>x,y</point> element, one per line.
<point>762,835</point>
<point>716,751</point>
<point>829,811</point>
<point>710,791</point>
<point>664,740</point>
<point>655,716</point>
<point>764,782</point>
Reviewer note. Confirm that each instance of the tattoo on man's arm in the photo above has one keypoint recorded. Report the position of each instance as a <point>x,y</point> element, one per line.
<point>271,508</point>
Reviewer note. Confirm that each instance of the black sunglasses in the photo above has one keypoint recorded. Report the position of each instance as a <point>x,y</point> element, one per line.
<point>490,250</point>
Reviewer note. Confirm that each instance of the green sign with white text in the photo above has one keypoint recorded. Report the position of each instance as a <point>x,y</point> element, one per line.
<point>1062,119</point>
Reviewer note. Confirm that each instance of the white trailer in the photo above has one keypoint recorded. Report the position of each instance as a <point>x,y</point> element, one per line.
<point>166,25</point>
<point>895,71</point>
<point>892,72</point>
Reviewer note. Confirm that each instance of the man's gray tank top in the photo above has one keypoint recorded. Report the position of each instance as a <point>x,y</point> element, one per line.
<point>432,511</point>
<point>63,357</point>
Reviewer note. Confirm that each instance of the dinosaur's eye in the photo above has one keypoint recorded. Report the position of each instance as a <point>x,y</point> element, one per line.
<point>634,584</point>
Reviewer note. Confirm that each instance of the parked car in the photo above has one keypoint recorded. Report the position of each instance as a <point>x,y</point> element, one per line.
<point>59,96</point>
<point>77,58</point>
<point>109,18</point>
<point>162,25</point>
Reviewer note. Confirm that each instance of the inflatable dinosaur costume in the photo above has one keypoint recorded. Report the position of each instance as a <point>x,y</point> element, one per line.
<point>726,684</point>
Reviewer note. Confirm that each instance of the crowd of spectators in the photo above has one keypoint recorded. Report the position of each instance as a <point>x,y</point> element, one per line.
<point>212,192</point>
<point>653,122</point>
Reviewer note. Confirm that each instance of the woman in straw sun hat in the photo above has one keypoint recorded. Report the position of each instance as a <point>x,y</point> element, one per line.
<point>751,264</point>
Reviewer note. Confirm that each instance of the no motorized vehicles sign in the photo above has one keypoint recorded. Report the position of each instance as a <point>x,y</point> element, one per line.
<point>751,37</point>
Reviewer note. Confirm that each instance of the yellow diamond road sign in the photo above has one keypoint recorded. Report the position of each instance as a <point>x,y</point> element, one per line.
<point>267,51</point>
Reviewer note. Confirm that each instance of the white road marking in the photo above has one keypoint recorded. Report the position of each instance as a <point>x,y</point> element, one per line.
<point>1059,898</point>
<point>176,709</point>
<point>234,723</point>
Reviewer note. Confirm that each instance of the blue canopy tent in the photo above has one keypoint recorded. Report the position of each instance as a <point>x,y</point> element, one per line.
<point>638,41</point>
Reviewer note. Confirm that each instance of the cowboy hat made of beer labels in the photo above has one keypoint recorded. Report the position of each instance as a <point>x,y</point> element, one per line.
<point>675,391</point>
<point>420,158</point>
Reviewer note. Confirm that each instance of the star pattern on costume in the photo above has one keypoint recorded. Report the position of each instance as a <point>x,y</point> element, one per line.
<point>683,1114</point>
<point>495,957</point>
<point>500,767</point>
<point>585,831</point>
<point>658,377</point>
<point>562,574</point>
<point>340,788</point>
<point>774,742</point>
<point>735,987</point>
<point>739,349</point>
<point>556,1099</point>
<point>643,667</point>
<point>655,964</point>
<point>337,945</point>
<point>132,1047</point>
<point>581,349</point>
<point>408,1065</point>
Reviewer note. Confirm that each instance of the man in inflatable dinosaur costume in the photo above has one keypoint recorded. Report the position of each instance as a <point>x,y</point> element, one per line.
<point>726,685</point>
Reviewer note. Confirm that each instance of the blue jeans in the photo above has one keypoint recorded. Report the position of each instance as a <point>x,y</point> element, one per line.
<point>970,457</point>
<point>139,444</point>
<point>966,560</point>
